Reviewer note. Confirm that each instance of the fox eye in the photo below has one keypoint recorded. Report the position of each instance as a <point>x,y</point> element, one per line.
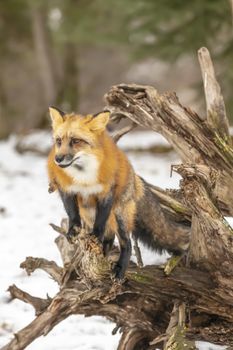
<point>58,141</point>
<point>75,141</point>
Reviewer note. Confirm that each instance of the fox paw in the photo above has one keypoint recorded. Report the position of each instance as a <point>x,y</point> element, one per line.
<point>118,273</point>
<point>72,233</point>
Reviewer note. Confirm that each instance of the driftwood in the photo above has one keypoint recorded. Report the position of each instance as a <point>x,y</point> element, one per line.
<point>152,309</point>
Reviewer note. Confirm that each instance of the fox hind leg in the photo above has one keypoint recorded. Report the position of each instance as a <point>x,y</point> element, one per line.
<point>108,244</point>
<point>125,249</point>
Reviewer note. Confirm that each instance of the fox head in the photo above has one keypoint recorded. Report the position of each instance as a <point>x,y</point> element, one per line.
<point>77,139</point>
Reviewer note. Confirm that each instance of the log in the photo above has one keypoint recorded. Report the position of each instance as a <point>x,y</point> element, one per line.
<point>146,296</point>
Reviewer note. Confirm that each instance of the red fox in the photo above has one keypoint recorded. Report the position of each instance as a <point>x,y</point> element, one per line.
<point>100,189</point>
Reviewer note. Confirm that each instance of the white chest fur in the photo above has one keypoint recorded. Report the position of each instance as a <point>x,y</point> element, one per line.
<point>85,190</point>
<point>84,173</point>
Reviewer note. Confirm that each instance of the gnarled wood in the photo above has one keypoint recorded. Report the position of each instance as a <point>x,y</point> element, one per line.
<point>31,264</point>
<point>215,106</point>
<point>211,240</point>
<point>39,304</point>
<point>146,296</point>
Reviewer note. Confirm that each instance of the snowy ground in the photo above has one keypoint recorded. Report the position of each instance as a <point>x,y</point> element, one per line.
<point>24,231</point>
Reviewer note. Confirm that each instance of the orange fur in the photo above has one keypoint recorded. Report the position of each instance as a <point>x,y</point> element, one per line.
<point>114,169</point>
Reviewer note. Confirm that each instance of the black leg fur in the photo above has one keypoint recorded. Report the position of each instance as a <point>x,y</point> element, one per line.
<point>103,210</point>
<point>107,245</point>
<point>72,210</point>
<point>125,253</point>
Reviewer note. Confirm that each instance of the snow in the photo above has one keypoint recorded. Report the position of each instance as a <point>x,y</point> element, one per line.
<point>24,231</point>
<point>207,346</point>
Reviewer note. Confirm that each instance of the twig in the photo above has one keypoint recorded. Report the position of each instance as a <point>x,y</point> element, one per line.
<point>172,263</point>
<point>58,229</point>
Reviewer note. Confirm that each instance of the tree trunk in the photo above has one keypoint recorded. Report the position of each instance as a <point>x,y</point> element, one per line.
<point>69,90</point>
<point>44,53</point>
<point>151,308</point>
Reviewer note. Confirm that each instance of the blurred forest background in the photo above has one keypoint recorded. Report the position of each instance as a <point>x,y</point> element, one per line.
<point>69,52</point>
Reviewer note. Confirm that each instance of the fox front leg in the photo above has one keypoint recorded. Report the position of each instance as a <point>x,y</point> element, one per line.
<point>103,209</point>
<point>71,206</point>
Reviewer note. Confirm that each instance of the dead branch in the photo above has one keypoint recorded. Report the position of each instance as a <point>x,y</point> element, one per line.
<point>216,111</point>
<point>121,132</point>
<point>170,203</point>
<point>31,264</point>
<point>39,304</point>
<point>176,333</point>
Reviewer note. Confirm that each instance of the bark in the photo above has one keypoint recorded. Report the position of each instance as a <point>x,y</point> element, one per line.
<point>153,309</point>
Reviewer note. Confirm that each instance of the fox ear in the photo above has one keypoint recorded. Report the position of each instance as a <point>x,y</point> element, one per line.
<point>99,122</point>
<point>56,115</point>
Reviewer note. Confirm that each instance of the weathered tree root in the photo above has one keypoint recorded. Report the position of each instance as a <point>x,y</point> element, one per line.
<point>140,307</point>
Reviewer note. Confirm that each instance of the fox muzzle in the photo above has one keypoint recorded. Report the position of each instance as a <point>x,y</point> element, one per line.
<point>64,160</point>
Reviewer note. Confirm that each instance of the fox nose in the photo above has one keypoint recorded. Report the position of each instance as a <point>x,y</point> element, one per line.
<point>59,158</point>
